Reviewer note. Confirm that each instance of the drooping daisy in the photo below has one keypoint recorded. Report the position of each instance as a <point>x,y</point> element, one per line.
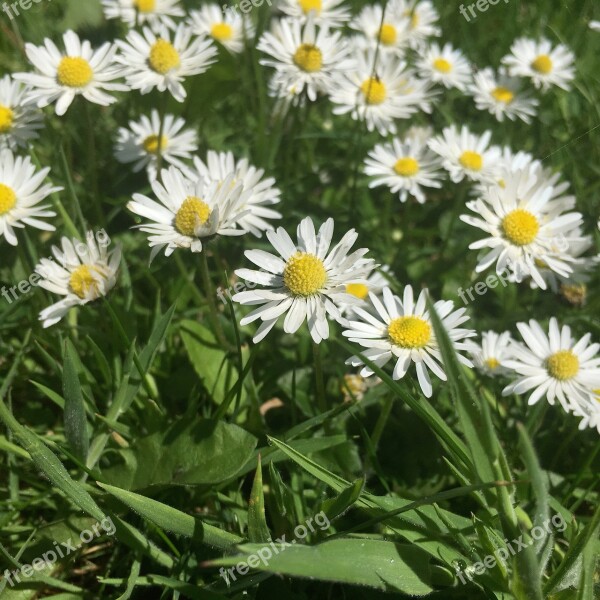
<point>466,154</point>
<point>21,192</point>
<point>140,144</point>
<point>404,166</point>
<point>161,61</point>
<point>227,28</point>
<point>307,282</point>
<point>540,62</point>
<point>501,95</point>
<point>523,224</point>
<point>260,192</point>
<point>324,12</point>
<point>79,70</point>
<point>446,65</point>
<point>380,95</point>
<point>373,284</point>
<point>490,357</point>
<point>188,213</point>
<point>18,120</point>
<point>306,58</point>
<point>402,330</point>
<point>554,365</point>
<point>155,13</point>
<point>81,272</point>
<point>423,18</point>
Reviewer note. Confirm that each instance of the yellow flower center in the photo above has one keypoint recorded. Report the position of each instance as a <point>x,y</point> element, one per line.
<point>164,57</point>
<point>360,290</point>
<point>542,64</point>
<point>82,281</point>
<point>373,90</point>
<point>308,58</point>
<point>222,32</point>
<point>442,65</point>
<point>492,363</point>
<point>192,212</point>
<point>471,160</point>
<point>74,71</point>
<point>409,332</point>
<point>145,6</point>
<point>387,34</point>
<point>152,144</point>
<point>406,167</point>
<point>503,94</point>
<point>520,227</point>
<point>304,274</point>
<point>8,199</point>
<point>597,394</point>
<point>6,119</point>
<point>562,365</point>
<point>308,5</point>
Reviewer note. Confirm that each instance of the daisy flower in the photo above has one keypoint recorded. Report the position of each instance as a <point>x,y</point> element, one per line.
<point>79,70</point>
<point>81,272</point>
<point>305,57</point>
<point>466,154</point>
<point>155,13</point>
<point>21,192</point>
<point>158,61</point>
<point>589,411</point>
<point>523,225</point>
<point>188,213</point>
<point>405,166</point>
<point>402,330</point>
<point>501,96</point>
<point>18,120</point>
<point>540,62</point>
<point>374,284</point>
<point>423,17</point>
<point>324,12</point>
<point>554,365</point>
<point>260,192</point>
<point>140,144</point>
<point>444,65</point>
<point>229,29</point>
<point>379,95</point>
<point>595,25</point>
<point>491,356</point>
<point>306,281</point>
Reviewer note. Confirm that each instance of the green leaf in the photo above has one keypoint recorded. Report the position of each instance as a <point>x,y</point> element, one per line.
<point>187,590</point>
<point>334,507</point>
<point>257,524</point>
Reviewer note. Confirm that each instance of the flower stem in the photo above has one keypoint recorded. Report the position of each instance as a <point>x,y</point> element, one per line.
<point>209,293</point>
<point>322,404</point>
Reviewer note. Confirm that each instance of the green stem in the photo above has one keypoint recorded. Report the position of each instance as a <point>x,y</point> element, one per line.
<point>322,403</point>
<point>161,130</point>
<point>209,294</point>
<point>381,421</point>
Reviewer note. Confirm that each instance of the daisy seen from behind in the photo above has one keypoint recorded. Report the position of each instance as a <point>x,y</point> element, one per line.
<point>80,272</point>
<point>19,121</point>
<point>77,71</point>
<point>330,13</point>
<point>306,282</point>
<point>401,330</point>
<point>155,13</point>
<point>227,28</point>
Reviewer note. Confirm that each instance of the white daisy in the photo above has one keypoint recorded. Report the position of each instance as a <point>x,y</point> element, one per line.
<point>21,192</point>
<point>324,12</point>
<point>188,212</point>
<point>402,330</point>
<point>595,25</point>
<point>374,284</point>
<point>423,18</point>
<point>490,356</point>
<point>306,282</point>
<point>554,365</point>
<point>81,272</point>
<point>444,65</point>
<point>155,13</point>
<point>260,192</point>
<point>523,225</point>
<point>501,95</point>
<point>228,28</point>
<point>589,411</point>
<point>540,62</point>
<point>141,143</point>
<point>163,62</point>
<point>79,70</point>
<point>466,154</point>
<point>18,120</point>
<point>404,166</point>
<point>380,94</point>
<point>306,58</point>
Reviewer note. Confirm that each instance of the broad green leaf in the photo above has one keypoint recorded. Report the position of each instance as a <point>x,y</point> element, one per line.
<point>257,524</point>
<point>74,415</point>
<point>334,507</point>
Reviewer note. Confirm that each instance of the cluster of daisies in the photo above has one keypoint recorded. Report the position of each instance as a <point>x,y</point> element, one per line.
<point>380,67</point>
